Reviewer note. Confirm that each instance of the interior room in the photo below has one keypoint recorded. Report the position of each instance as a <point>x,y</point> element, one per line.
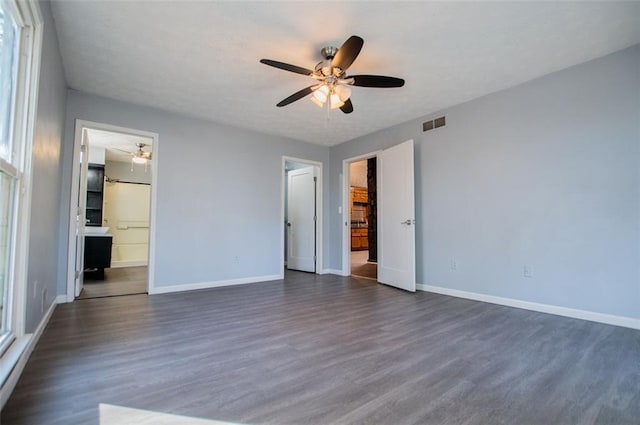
<point>362,193</point>
<point>305,212</point>
<point>116,232</point>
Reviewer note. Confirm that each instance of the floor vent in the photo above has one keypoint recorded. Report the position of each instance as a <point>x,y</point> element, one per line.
<point>430,125</point>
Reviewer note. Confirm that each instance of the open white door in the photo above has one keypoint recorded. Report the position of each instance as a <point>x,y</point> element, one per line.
<point>396,217</point>
<point>81,213</point>
<point>301,219</point>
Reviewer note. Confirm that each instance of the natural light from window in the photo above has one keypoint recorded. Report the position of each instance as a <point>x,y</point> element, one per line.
<point>118,415</point>
<point>8,170</point>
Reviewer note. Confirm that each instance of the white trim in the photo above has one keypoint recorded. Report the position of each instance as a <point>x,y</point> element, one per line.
<point>61,299</point>
<point>346,216</point>
<point>627,322</point>
<point>29,19</point>
<point>319,211</point>
<point>75,175</point>
<point>122,264</point>
<point>334,271</point>
<point>23,348</point>
<point>73,207</point>
<point>215,284</point>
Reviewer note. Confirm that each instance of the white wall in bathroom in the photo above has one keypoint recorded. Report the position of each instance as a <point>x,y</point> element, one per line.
<point>96,155</point>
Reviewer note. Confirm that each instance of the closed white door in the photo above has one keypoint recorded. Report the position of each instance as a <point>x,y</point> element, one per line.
<point>396,217</point>
<point>301,219</point>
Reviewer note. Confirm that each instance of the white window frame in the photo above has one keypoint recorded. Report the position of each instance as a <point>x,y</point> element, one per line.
<point>25,103</point>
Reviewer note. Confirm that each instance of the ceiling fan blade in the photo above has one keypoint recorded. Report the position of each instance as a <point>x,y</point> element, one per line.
<point>347,53</point>
<point>347,108</point>
<point>376,81</point>
<point>287,67</point>
<point>297,96</point>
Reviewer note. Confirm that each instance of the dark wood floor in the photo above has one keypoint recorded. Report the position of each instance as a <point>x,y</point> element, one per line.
<point>116,282</point>
<point>323,350</point>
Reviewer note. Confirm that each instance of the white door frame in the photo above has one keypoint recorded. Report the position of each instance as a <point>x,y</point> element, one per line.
<point>319,212</point>
<point>80,125</point>
<point>346,216</point>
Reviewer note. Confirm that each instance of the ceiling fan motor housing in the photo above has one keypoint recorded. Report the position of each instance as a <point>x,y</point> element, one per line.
<point>328,52</point>
<point>324,67</point>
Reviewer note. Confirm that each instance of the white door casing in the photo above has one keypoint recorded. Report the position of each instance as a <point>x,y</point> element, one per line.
<point>81,213</point>
<point>396,217</point>
<point>72,251</point>
<point>301,219</point>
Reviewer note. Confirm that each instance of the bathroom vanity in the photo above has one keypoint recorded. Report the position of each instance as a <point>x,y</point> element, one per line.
<point>97,254</point>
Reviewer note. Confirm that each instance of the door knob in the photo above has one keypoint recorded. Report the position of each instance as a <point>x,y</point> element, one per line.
<point>408,222</point>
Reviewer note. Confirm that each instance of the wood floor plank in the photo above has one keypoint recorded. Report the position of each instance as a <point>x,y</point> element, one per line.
<point>116,282</point>
<point>327,349</point>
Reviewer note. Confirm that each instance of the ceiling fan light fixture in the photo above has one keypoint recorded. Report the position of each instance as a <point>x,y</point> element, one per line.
<point>336,102</point>
<point>331,77</point>
<point>343,92</point>
<point>316,101</point>
<point>324,91</point>
<point>139,160</point>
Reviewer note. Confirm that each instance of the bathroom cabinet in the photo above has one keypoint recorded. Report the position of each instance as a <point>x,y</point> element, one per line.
<point>97,254</point>
<point>95,186</point>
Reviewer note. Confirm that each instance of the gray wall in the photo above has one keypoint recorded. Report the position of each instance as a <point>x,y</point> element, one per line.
<point>124,172</point>
<point>545,174</point>
<point>45,213</point>
<point>219,191</point>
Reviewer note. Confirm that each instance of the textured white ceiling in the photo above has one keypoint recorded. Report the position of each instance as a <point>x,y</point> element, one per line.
<point>114,143</point>
<point>201,58</point>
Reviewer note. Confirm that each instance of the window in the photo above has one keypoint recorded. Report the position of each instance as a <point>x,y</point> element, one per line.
<point>18,80</point>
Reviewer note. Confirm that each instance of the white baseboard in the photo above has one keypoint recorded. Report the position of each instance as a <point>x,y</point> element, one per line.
<point>120,264</point>
<point>334,271</point>
<point>24,347</point>
<point>627,322</point>
<point>61,299</point>
<point>216,284</point>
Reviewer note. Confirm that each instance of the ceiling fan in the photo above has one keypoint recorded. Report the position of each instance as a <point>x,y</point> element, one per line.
<point>140,156</point>
<point>332,87</point>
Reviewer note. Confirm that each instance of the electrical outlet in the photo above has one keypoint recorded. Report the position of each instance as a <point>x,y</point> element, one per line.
<point>454,265</point>
<point>236,259</point>
<point>528,270</point>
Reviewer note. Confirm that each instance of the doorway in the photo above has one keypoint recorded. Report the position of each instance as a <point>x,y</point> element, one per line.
<point>395,215</point>
<point>363,214</point>
<point>302,215</point>
<point>112,212</point>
